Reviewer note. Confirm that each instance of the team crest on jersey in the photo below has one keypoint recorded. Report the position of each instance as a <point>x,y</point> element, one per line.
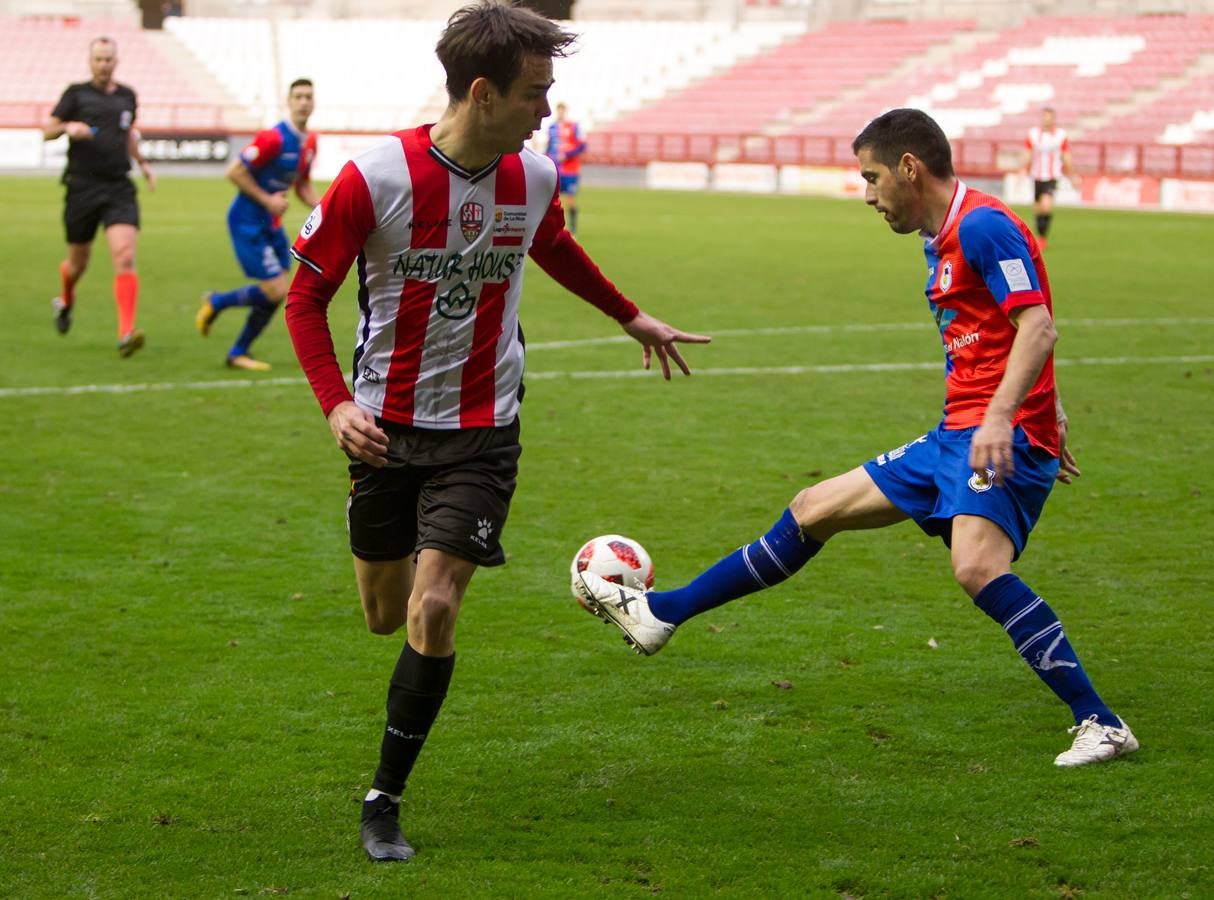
<point>471,220</point>
<point>981,483</point>
<point>946,277</point>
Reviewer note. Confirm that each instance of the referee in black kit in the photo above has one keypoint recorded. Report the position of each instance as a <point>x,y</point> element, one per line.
<point>98,117</point>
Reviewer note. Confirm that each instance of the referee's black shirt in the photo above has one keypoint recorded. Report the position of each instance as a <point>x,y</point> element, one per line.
<point>107,155</point>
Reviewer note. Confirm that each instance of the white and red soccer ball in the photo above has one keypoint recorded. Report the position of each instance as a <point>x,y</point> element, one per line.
<point>614,558</point>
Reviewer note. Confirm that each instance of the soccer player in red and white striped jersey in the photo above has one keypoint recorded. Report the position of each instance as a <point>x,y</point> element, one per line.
<point>439,220</point>
<point>1047,157</point>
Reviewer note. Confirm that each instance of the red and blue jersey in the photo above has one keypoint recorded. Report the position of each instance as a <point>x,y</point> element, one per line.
<point>276,158</point>
<point>566,146</point>
<point>984,264</point>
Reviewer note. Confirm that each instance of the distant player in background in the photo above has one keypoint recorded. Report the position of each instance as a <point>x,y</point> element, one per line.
<point>440,219</point>
<point>565,148</point>
<point>98,117</point>
<point>278,158</point>
<point>980,479</point>
<point>1047,157</point>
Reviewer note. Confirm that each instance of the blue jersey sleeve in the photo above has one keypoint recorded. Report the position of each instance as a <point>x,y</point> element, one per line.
<point>996,249</point>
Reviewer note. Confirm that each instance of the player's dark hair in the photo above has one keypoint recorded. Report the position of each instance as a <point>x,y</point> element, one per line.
<point>911,131</point>
<point>490,39</point>
<point>300,82</point>
<point>102,40</point>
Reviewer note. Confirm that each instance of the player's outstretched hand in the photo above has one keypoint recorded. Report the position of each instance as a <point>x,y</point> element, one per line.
<point>655,336</point>
<point>991,450</point>
<point>1068,468</point>
<point>149,174</point>
<point>356,433</point>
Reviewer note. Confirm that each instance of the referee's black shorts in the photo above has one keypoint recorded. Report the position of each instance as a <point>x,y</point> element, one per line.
<point>447,490</point>
<point>97,201</point>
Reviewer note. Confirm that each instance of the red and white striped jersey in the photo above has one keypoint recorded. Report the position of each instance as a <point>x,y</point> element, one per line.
<point>1047,148</point>
<point>440,254</point>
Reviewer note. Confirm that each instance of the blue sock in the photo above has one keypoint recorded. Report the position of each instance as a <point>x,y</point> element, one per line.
<point>771,559</point>
<point>255,324</point>
<point>1040,640</point>
<point>249,295</point>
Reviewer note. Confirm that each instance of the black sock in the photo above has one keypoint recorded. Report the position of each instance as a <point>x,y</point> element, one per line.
<point>1043,225</point>
<point>415,695</point>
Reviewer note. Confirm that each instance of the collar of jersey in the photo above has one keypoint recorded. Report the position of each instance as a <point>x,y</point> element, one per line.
<point>452,166</point>
<point>933,240</point>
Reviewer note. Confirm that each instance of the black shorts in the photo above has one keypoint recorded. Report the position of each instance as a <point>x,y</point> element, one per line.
<point>1044,187</point>
<point>447,490</point>
<point>92,202</point>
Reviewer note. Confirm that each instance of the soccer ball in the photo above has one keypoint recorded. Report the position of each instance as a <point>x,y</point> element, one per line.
<point>614,558</point>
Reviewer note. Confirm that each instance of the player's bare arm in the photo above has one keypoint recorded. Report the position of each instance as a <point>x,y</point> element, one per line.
<point>1068,468</point>
<point>991,447</point>
<point>145,167</point>
<point>239,175</point>
<point>76,131</point>
<point>356,433</point>
<point>307,193</point>
<point>655,336</point>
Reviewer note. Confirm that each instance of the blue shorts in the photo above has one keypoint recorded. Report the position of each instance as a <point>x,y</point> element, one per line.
<point>569,183</point>
<point>262,250</point>
<point>931,481</point>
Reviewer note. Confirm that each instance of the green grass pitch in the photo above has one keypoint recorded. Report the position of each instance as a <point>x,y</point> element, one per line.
<point>190,705</point>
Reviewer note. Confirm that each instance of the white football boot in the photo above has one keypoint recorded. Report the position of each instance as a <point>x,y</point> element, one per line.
<point>1096,743</point>
<point>628,609</point>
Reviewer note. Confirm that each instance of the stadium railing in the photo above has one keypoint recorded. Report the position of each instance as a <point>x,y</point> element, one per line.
<point>975,157</point>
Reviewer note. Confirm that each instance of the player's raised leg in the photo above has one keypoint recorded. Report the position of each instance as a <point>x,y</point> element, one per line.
<point>415,695</point>
<point>847,502</point>
<point>982,558</point>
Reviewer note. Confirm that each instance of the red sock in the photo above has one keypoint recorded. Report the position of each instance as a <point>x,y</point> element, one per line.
<point>126,296</point>
<point>67,285</point>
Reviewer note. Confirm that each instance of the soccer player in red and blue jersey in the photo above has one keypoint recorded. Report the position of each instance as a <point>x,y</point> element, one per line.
<point>980,479</point>
<point>278,158</point>
<point>565,148</point>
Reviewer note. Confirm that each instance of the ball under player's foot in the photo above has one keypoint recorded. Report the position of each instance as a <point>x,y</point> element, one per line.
<point>380,831</point>
<point>1097,743</point>
<point>628,609</point>
<point>248,363</point>
<point>205,317</point>
<point>130,342</point>
<point>63,314</point>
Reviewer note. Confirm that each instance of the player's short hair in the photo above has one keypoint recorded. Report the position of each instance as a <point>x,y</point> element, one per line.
<point>490,39</point>
<point>299,82</point>
<point>102,40</point>
<point>907,131</point>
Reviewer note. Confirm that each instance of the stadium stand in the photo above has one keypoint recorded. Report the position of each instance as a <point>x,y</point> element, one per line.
<point>43,55</point>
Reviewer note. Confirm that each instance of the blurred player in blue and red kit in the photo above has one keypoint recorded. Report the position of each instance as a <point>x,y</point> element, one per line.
<point>565,148</point>
<point>980,479</point>
<point>278,158</point>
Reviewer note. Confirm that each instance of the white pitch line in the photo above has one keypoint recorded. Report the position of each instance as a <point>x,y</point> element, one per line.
<point>867,367</point>
<point>863,328</point>
<point>72,390</point>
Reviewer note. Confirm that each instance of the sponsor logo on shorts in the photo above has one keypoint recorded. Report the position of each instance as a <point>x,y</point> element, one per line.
<point>484,528</point>
<point>980,483</point>
<point>899,452</point>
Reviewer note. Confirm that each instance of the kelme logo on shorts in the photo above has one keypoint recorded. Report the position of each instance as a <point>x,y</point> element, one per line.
<point>980,483</point>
